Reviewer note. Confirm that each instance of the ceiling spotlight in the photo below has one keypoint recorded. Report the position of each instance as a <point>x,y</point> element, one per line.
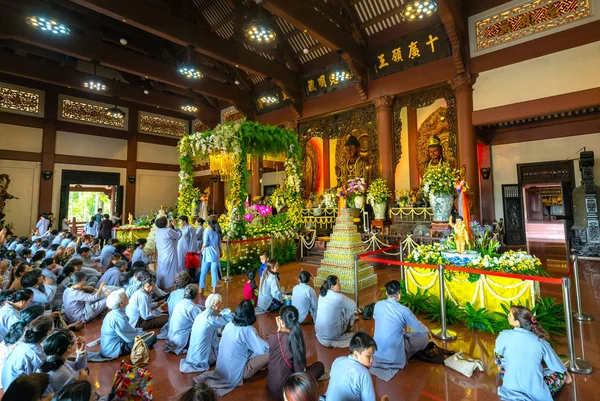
<point>94,82</point>
<point>259,30</point>
<point>190,69</point>
<point>116,113</point>
<point>418,9</point>
<point>146,86</point>
<point>48,25</point>
<point>305,50</point>
<point>237,82</point>
<point>340,73</point>
<point>269,97</point>
<point>146,92</point>
<point>189,106</point>
<point>123,41</point>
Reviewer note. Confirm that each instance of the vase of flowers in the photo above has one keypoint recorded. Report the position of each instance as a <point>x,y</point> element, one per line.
<point>438,186</point>
<point>377,196</point>
<point>355,192</point>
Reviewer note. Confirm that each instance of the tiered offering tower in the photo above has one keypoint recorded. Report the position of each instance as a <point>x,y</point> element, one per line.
<point>339,256</point>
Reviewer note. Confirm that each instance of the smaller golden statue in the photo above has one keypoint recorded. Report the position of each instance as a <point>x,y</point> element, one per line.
<point>461,233</point>
<point>130,219</point>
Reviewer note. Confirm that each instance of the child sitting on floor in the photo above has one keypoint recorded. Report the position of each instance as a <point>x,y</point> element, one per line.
<point>250,288</point>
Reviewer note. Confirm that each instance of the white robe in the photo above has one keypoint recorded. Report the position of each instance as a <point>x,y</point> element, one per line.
<point>187,243</point>
<point>166,247</point>
<point>180,326</point>
<point>336,314</point>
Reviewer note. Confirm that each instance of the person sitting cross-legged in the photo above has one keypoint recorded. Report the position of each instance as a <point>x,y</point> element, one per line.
<point>142,312</point>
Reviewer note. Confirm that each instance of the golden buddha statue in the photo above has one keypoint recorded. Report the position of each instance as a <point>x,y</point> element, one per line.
<point>435,153</point>
<point>353,165</point>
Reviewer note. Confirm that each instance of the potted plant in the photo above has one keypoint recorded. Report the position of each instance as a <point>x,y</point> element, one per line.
<point>438,186</point>
<point>378,195</point>
<point>355,192</point>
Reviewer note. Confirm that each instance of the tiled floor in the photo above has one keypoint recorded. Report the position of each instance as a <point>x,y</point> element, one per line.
<point>419,381</point>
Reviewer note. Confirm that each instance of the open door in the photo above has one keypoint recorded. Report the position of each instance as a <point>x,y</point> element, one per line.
<point>119,202</point>
<point>512,201</point>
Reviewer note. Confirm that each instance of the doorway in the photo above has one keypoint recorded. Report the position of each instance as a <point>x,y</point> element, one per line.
<point>544,212</point>
<point>84,192</point>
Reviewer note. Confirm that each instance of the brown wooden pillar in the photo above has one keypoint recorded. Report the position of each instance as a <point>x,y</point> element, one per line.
<point>467,140</point>
<point>385,139</point>
<point>48,152</point>
<point>412,127</point>
<point>255,188</point>
<point>218,197</point>
<point>132,145</point>
<point>326,165</point>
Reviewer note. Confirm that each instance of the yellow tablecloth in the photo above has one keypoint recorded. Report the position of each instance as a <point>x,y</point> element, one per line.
<point>488,292</point>
<point>130,236</point>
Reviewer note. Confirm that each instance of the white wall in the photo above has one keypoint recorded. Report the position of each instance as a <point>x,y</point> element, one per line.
<point>69,143</point>
<point>567,71</point>
<point>23,139</point>
<point>272,179</point>
<point>155,188</point>
<point>25,185</point>
<point>153,153</point>
<point>506,157</point>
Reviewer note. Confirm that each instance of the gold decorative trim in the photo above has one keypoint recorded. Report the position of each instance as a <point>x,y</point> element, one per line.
<point>88,112</point>
<point>21,100</point>
<point>150,123</point>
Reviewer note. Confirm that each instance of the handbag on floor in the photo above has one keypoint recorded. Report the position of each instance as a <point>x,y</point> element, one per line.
<point>463,363</point>
<point>132,381</point>
<point>192,260</point>
<point>433,354</point>
<point>140,354</point>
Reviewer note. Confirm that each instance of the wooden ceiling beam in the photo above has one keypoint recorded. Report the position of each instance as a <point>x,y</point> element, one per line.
<point>320,27</point>
<point>88,49</point>
<point>68,77</point>
<point>380,18</point>
<point>357,31</point>
<point>452,18</point>
<point>139,14</point>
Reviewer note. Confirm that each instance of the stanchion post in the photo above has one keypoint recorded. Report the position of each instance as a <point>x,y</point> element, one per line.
<point>227,277</point>
<point>271,241</point>
<point>401,256</point>
<point>574,364</point>
<point>442,333</point>
<point>579,315</point>
<point>356,281</point>
<point>301,247</point>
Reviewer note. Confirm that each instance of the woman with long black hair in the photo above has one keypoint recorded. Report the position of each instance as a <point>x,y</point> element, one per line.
<point>287,353</point>
<point>14,303</point>
<point>59,346</point>
<point>336,315</point>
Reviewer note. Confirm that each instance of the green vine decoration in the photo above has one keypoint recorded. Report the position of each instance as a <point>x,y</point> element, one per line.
<point>240,139</point>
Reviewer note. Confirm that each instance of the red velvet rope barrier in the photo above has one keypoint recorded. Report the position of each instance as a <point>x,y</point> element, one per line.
<point>465,270</point>
<point>239,241</point>
<point>380,250</point>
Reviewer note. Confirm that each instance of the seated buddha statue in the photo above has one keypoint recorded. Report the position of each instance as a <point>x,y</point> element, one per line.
<point>353,165</point>
<point>435,153</point>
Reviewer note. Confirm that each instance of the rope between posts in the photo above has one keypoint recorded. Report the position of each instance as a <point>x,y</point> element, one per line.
<point>239,241</point>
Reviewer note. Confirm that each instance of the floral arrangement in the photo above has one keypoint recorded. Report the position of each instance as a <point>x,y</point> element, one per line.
<point>355,187</point>
<point>378,192</point>
<point>239,139</point>
<point>440,181</point>
<point>402,197</point>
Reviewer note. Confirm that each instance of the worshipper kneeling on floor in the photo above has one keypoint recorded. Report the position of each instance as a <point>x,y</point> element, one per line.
<point>113,275</point>
<point>144,313</point>
<point>28,355</point>
<point>117,335</point>
<point>204,340</point>
<point>350,378</point>
<point>519,355</point>
<point>58,347</point>
<point>395,345</point>
<point>287,353</point>
<point>336,315</point>
<point>250,288</point>
<point>270,293</point>
<point>182,279</point>
<point>31,387</point>
<point>301,387</point>
<point>181,321</point>
<point>139,254</point>
<point>304,298</point>
<point>242,353</point>
<point>43,290</point>
<point>10,312</point>
<point>199,392</point>
<point>81,305</point>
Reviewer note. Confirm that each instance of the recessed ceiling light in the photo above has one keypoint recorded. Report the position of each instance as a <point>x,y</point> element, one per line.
<point>123,41</point>
<point>124,19</point>
<point>305,50</point>
<point>237,82</point>
<point>47,24</point>
<point>146,92</point>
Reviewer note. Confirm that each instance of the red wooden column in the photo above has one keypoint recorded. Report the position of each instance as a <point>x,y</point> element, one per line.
<point>48,151</point>
<point>467,140</point>
<point>383,106</point>
<point>255,188</point>
<point>412,126</point>
<point>326,165</point>
<point>132,144</point>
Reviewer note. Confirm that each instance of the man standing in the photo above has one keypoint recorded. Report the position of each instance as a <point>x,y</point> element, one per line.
<point>43,224</point>
<point>98,216</point>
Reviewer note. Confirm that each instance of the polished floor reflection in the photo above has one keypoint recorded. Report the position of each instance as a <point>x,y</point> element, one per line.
<point>419,381</point>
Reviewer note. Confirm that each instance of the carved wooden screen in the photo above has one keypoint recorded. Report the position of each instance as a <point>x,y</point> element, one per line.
<point>512,200</point>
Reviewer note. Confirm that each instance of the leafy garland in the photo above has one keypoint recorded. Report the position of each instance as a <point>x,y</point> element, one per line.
<point>240,139</point>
